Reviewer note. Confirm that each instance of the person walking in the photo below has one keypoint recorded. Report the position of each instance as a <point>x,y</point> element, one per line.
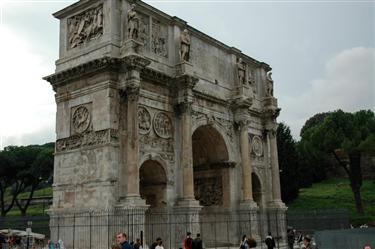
<point>122,240</point>
<point>155,243</point>
<point>291,236</point>
<point>270,241</point>
<point>197,242</point>
<point>137,244</point>
<point>160,244</point>
<point>244,244</point>
<point>188,242</point>
<point>307,242</point>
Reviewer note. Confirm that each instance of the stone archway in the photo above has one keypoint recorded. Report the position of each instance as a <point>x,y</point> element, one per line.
<point>257,189</point>
<point>211,167</point>
<point>153,184</point>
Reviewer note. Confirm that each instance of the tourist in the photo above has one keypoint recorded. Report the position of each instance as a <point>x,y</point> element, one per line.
<point>51,245</point>
<point>160,244</point>
<point>156,243</point>
<point>197,242</point>
<point>121,239</point>
<point>244,244</point>
<point>307,243</point>
<point>188,242</point>
<point>291,236</point>
<point>137,244</point>
<point>270,241</point>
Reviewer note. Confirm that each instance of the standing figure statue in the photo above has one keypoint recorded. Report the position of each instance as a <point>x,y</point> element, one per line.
<point>269,87</point>
<point>185,45</point>
<point>133,23</point>
<point>241,69</point>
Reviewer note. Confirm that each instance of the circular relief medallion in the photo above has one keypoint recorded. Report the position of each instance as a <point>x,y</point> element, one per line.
<point>81,119</point>
<point>257,146</point>
<point>163,125</point>
<point>144,120</point>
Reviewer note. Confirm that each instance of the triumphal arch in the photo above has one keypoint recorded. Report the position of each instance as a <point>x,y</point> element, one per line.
<point>154,115</point>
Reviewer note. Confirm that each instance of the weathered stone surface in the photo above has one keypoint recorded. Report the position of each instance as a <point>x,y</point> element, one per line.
<point>152,112</point>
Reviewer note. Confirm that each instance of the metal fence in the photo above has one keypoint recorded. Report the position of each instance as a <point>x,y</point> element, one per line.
<point>218,228</point>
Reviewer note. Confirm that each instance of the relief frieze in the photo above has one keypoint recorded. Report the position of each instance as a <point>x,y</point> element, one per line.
<point>159,38</point>
<point>87,139</point>
<point>85,26</point>
<point>209,191</point>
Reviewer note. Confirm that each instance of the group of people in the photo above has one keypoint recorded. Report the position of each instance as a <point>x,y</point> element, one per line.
<point>190,243</point>
<point>123,243</point>
<point>305,240</point>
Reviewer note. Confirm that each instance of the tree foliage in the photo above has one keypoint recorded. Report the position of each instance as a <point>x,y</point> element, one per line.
<point>23,168</point>
<point>288,163</point>
<point>344,136</point>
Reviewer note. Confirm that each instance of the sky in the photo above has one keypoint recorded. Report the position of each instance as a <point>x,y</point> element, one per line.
<point>322,54</point>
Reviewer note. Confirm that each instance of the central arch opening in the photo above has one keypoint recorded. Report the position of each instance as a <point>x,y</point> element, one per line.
<point>211,167</point>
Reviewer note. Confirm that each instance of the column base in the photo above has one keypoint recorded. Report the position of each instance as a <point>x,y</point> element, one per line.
<point>279,204</point>
<point>132,201</point>
<point>184,202</point>
<point>248,204</point>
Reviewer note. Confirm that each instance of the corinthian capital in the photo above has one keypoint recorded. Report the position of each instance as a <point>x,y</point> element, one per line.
<point>183,107</point>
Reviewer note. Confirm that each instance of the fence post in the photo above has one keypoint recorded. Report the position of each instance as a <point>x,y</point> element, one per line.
<point>74,227</point>
<point>90,229</point>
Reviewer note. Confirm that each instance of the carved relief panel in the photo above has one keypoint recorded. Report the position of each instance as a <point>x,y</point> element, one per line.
<point>84,27</point>
<point>80,120</point>
<point>144,31</point>
<point>256,147</point>
<point>159,38</point>
<point>156,132</point>
<point>209,191</point>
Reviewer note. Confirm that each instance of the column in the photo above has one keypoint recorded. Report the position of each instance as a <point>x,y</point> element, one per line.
<point>129,176</point>
<point>184,101</point>
<point>186,159</point>
<point>276,192</point>
<point>246,162</point>
<point>132,144</point>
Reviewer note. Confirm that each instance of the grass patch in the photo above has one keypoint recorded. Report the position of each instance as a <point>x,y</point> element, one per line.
<point>336,194</point>
<point>33,209</point>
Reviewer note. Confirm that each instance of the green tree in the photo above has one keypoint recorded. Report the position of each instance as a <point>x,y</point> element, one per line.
<point>315,120</point>
<point>345,136</point>
<point>39,169</point>
<point>9,183</point>
<point>23,168</point>
<point>288,162</point>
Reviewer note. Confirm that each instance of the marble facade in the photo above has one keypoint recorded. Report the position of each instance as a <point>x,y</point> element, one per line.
<point>154,114</point>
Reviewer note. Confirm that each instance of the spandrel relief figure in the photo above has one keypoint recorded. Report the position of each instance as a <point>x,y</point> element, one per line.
<point>133,23</point>
<point>185,45</point>
<point>269,86</point>
<point>241,69</point>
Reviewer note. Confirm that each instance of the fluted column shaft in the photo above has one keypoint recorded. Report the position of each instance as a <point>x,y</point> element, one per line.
<point>186,152</point>
<point>274,166</point>
<point>246,163</point>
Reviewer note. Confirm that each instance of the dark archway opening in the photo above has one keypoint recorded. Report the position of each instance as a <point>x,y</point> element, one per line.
<point>211,167</point>
<point>152,184</point>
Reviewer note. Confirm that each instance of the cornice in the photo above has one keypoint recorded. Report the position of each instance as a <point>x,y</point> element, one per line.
<point>152,75</point>
<point>83,70</point>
